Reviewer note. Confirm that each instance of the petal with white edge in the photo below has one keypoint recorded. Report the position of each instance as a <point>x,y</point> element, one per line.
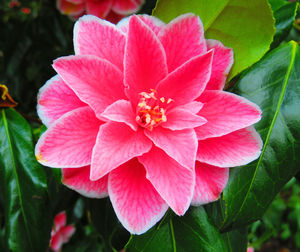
<point>174,183</point>
<point>70,140</point>
<point>210,182</point>
<point>237,148</point>
<point>78,179</point>
<point>135,201</point>
<point>116,144</point>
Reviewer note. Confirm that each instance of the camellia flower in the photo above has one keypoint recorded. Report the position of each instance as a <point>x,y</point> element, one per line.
<point>60,233</point>
<point>138,114</point>
<point>111,10</point>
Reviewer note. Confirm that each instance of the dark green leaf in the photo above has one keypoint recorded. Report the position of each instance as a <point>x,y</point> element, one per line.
<point>273,84</point>
<point>246,26</point>
<point>284,13</point>
<point>105,221</point>
<point>236,240</point>
<point>192,232</point>
<point>23,185</point>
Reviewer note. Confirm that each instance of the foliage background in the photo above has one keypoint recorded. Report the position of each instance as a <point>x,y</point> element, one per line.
<point>28,45</point>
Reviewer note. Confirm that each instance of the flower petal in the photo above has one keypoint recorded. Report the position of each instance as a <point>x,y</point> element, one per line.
<point>210,182</point>
<point>70,8</point>
<point>221,65</point>
<point>98,8</point>
<point>152,22</point>
<point>188,81</point>
<point>69,141</point>
<point>193,107</point>
<point>60,220</point>
<point>174,183</point>
<point>237,148</point>
<point>145,60</point>
<point>178,119</point>
<point>121,111</point>
<point>95,81</point>
<point>183,38</point>
<point>180,145</point>
<point>55,99</point>
<point>135,201</point>
<point>67,232</point>
<point>95,36</point>
<point>78,179</point>
<point>125,7</point>
<point>116,144</point>
<point>56,242</point>
<point>225,112</point>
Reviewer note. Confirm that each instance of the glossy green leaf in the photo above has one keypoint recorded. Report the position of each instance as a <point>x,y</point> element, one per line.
<point>246,26</point>
<point>274,85</point>
<point>284,13</point>
<point>192,232</point>
<point>23,187</point>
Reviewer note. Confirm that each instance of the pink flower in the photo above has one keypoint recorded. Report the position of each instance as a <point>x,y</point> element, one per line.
<point>111,10</point>
<point>139,115</point>
<point>250,249</point>
<point>13,4</point>
<point>60,233</point>
<point>26,10</point>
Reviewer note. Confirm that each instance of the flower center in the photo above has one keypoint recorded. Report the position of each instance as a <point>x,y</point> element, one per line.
<point>150,110</point>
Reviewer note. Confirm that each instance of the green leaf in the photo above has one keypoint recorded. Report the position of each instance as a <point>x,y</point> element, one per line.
<point>246,26</point>
<point>284,13</point>
<point>23,187</point>
<point>273,84</point>
<point>103,217</point>
<point>192,232</point>
<point>236,240</point>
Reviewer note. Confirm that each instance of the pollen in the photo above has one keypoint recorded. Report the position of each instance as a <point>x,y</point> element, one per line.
<point>38,157</point>
<point>151,110</point>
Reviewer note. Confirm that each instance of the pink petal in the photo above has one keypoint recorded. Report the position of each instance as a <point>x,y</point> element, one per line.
<point>135,201</point>
<point>188,81</point>
<point>78,179</point>
<point>237,148</point>
<point>180,145</point>
<point>76,1</point>
<point>60,220</point>
<point>121,111</point>
<point>183,38</point>
<point>98,8</point>
<point>193,107</point>
<point>221,65</point>
<point>225,112</point>
<point>56,242</point>
<point>178,119</point>
<point>94,36</point>
<point>69,141</point>
<point>145,61</point>
<point>174,183</point>
<point>70,8</point>
<point>125,7</point>
<point>116,144</point>
<point>210,182</point>
<point>67,232</point>
<point>152,22</point>
<point>55,99</point>
<point>95,81</point>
